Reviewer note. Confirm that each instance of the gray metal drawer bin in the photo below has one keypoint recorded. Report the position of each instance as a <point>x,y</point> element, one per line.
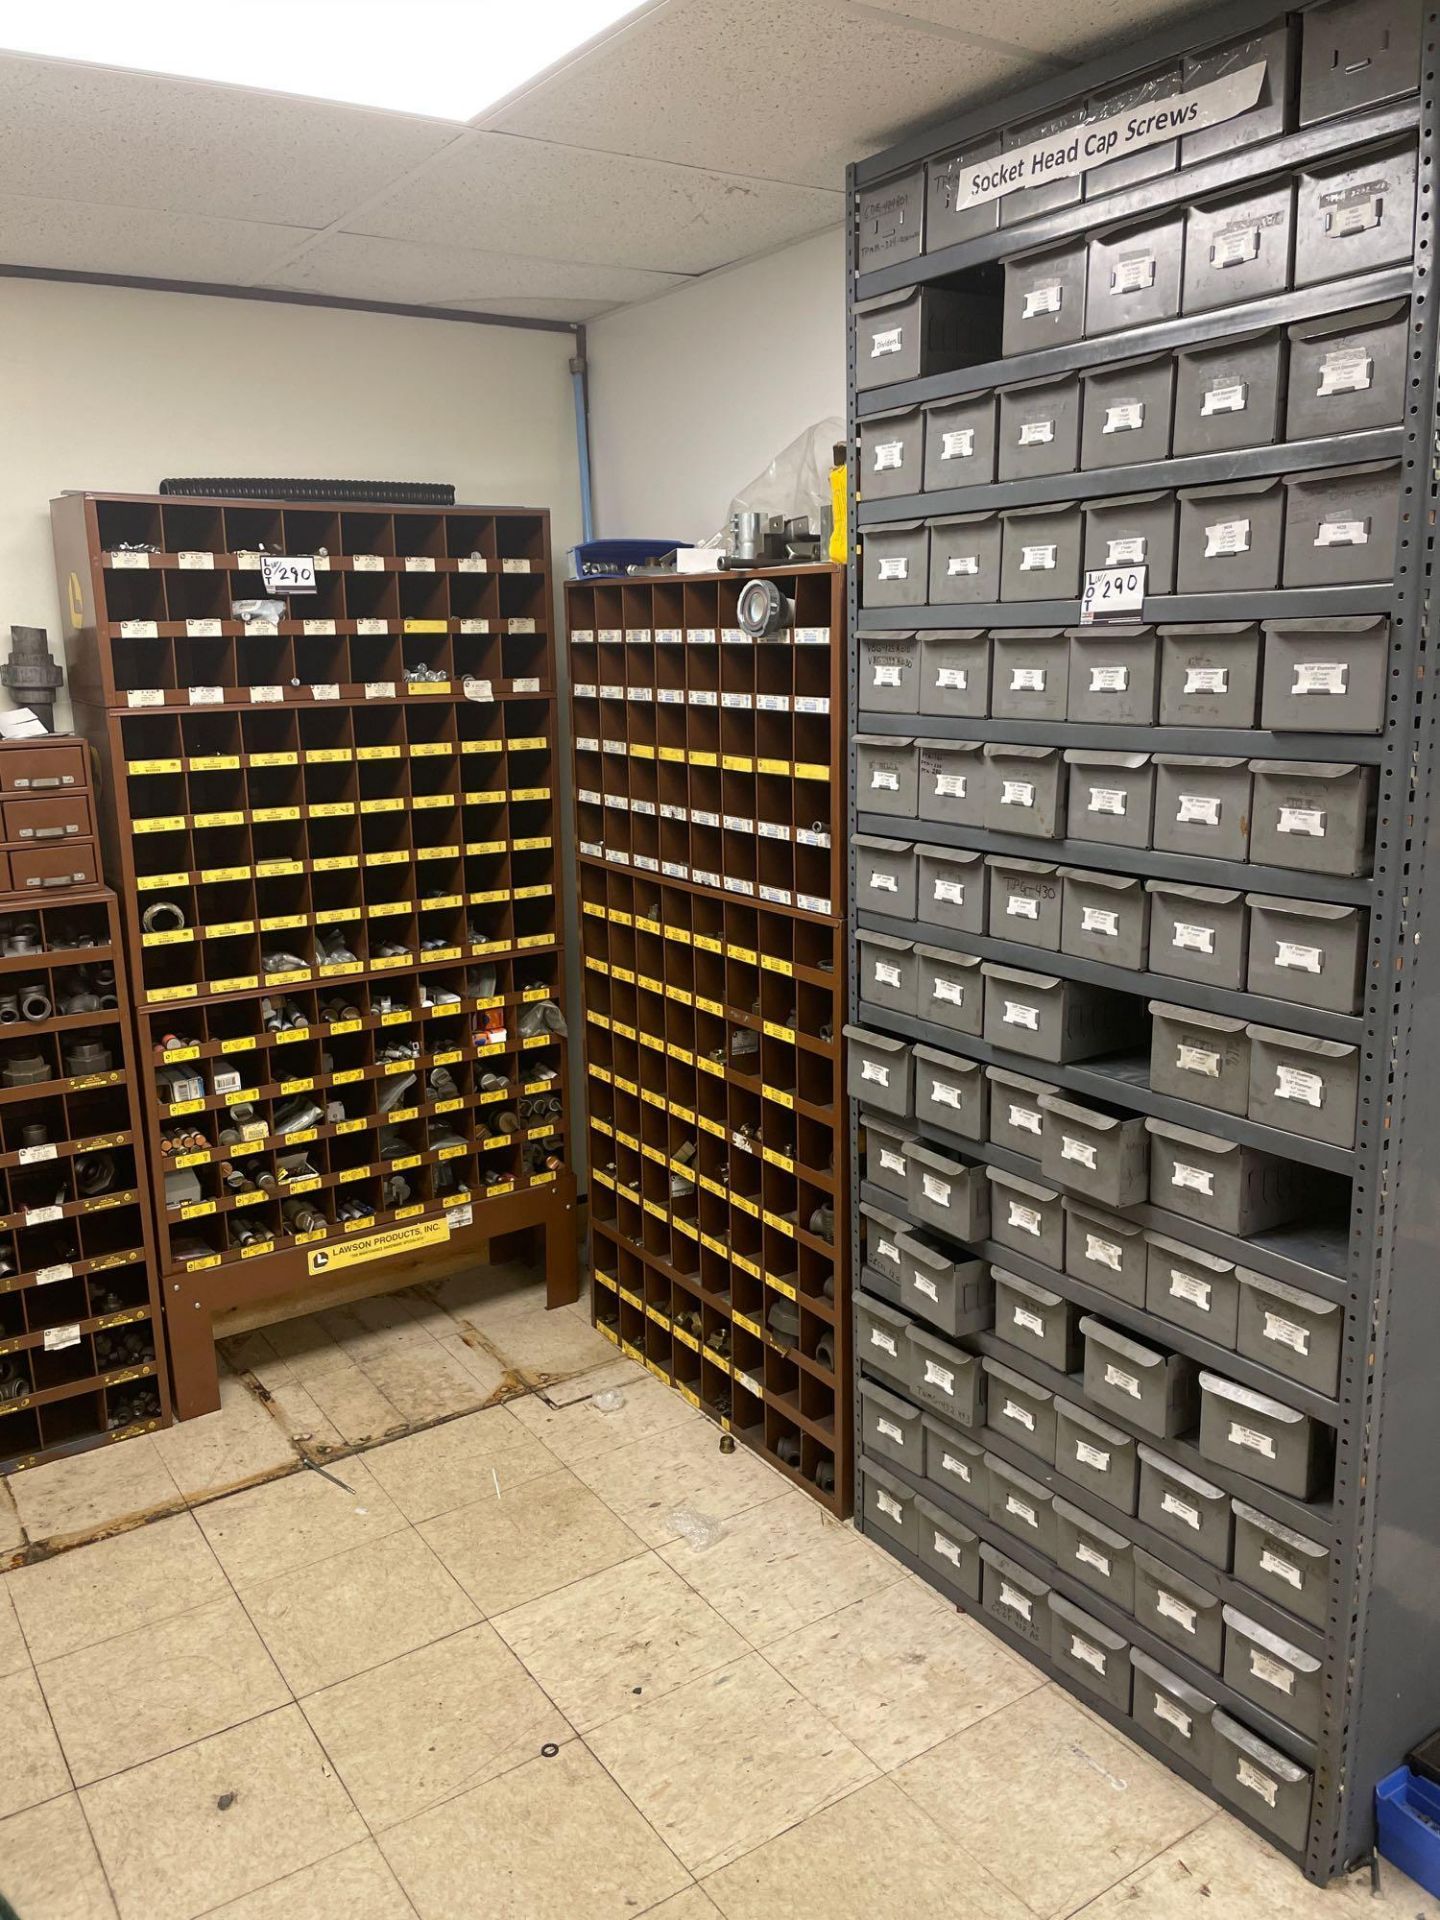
<point>1185,1508</point>
<point>1202,1057</point>
<point>1191,1288</point>
<point>1272,114</point>
<point>1027,1218</point>
<point>955,673</point>
<point>1136,95</point>
<point>1136,530</point>
<point>1023,1507</point>
<point>1202,805</point>
<point>1230,537</point>
<point>1238,247</point>
<point>950,989</point>
<point>918,330</point>
<point>1134,274</point>
<point>1027,202</point>
<point>880,1240</point>
<point>1276,1675</point>
<point>946,1380</point>
<point>951,1551</point>
<point>892,453</point>
<point>1053,1019</point>
<point>1224,1185</point>
<point>1229,394</point>
<point>1090,1653</point>
<point>894,563</point>
<point>1354,216</point>
<point>889,1507</point>
<point>949,1196</point>
<point>1303,1085</point>
<point>1152,1390</point>
<point>1307,951</point>
<point>1016,1120</point>
<point>890,1427</point>
<point>1041,1323</point>
<point>880,1072</point>
<point>1105,1252</point>
<point>890,221</point>
<point>1092,1552</point>
<point>1010,1595</point>
<point>1340,525</point>
<point>1096,1455</point>
<point>1313,817</point>
<point>879,1286</point>
<point>953,888</point>
<point>1113,678</point>
<point>1173,1712</point>
<point>965,559</point>
<point>1198,933</point>
<point>886,775</point>
<point>1105,917</point>
<point>1282,1565</point>
<point>890,673</point>
<point>960,442</point>
<point>1029,673</point>
<point>1269,1788</point>
<point>1326,676</point>
<point>880,1340</point>
<point>1347,372</point>
<point>887,971</point>
<point>959,1465</point>
<point>952,1294</point>
<point>1178,1611</point>
<point>1210,675</point>
<point>951,782</point>
<point>1025,790</point>
<point>1104,1156</point>
<point>947,223</point>
<point>1357,55</point>
<point>887,1156</point>
<point>885,875</point>
<point>1018,1407</point>
<point>1296,1334</point>
<point>1040,553</point>
<point>1025,902</point>
<point>1125,413</point>
<point>1044,299</point>
<point>1112,797</point>
<point>1261,1437</point>
<point>1039,428</point>
<point>951,1092</point>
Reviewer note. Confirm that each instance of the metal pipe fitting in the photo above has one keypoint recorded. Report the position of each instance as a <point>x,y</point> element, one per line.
<point>162,916</point>
<point>9,1009</point>
<point>35,1003</point>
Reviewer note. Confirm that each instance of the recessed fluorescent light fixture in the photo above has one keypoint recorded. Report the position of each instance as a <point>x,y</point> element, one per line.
<point>445,59</point>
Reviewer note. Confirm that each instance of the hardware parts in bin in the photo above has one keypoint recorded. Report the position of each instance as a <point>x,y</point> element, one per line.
<point>333,805</point>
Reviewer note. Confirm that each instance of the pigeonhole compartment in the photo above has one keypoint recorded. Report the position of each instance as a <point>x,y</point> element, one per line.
<point>950,989</point>
<point>1272,114</point>
<point>1027,1218</point>
<point>1025,903</point>
<point>1112,797</point>
<point>1308,952</point>
<point>1044,299</point>
<point>1264,1784</point>
<point>1282,1565</point>
<point>1178,1611</point>
<point>1090,1551</point>
<point>1229,393</point>
<point>879,1071</point>
<point>1042,1324</point>
<point>1326,676</point>
<point>880,1340</point>
<point>1053,1019</point>
<point>1113,675</point>
<point>1202,805</point>
<point>1152,1390</point>
<point>947,222</point>
<point>1135,530</point>
<point>1105,1252</point>
<point>887,1155</point>
<point>1019,1407</point>
<point>1095,1455</point>
<point>887,971</point>
<point>1210,674</point>
<point>889,1506</point>
<point>958,1465</point>
<point>892,453</point>
<point>1191,1288</point>
<point>1023,1507</point>
<point>952,888</point>
<point>951,782</point>
<point>1026,202</point>
<point>1024,790</point>
<point>1016,1119</point>
<point>887,778</point>
<point>1198,933</point>
<point>1104,1156</point>
<point>948,1195</point>
<point>1304,1085</point>
<point>1185,1508</point>
<point>965,559</point>
<point>1172,1711</point>
<point>890,1428</point>
<point>1230,537</point>
<point>1313,816</point>
<point>1135,97</point>
<point>952,1294</point>
<point>920,330</point>
<point>1347,371</point>
<point>960,442</point>
<point>1029,673</point>
<point>1273,1673</point>
<point>1274,1444</point>
<point>1355,216</point>
<point>1296,1334</point>
<point>885,875</point>
<point>880,1241</point>
<point>1105,917</point>
<point>1239,246</point>
<point>1340,525</point>
<point>1040,553</point>
<point>945,1379</point>
<point>950,1550</point>
<point>1126,412</point>
<point>1039,428</point>
<point>955,673</point>
<point>1092,1655</point>
<point>1198,1056</point>
<point>1357,54</point>
<point>950,1092</point>
<point>890,221</point>
<point>890,672</point>
<point>1133,275</point>
<point>893,562</point>
<point>1013,1597</point>
<point>1233,1188</point>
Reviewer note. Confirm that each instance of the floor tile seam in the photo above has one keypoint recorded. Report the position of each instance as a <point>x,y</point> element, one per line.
<point>295,1873</point>
<point>377,1831</point>
<point>100,1861</point>
<point>146,1626</point>
<point>184,1746</point>
<point>1093,1900</point>
<point>691,1878</point>
<point>675,1539</point>
<point>560,1587</point>
<point>54,1731</point>
<point>378,1666</point>
<point>300,1566</point>
<point>707,1871</point>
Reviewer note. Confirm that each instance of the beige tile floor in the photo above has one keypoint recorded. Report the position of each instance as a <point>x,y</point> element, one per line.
<point>490,1678</point>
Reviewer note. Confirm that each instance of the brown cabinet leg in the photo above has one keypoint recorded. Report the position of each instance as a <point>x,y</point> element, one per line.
<point>194,1373</point>
<point>562,1260</point>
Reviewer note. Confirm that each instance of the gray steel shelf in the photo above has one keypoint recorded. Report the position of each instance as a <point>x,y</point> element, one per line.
<point>1364,749</point>
<point>1278,603</point>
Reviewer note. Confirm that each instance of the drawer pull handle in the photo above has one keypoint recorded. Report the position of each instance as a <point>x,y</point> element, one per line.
<point>48,833</point>
<point>47,780</point>
<point>58,880</point>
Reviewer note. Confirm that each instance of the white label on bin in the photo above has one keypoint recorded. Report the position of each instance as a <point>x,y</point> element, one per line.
<point>1023,1317</point>
<point>1046,299</point>
<point>1014,1411</point>
<point>886,975</point>
<point>1282,1569</point>
<point>1022,1510</point>
<point>923,1284</point>
<point>1172,1609</point>
<point>958,444</point>
<point>1027,679</point>
<point>1037,433</point>
<point>871,1070</point>
<point>1106,799</point>
<point>882,1340</point>
<point>955,679</point>
<point>890,1430</point>
<point>33,1156</point>
<point>144,697</point>
<point>1293,1084</point>
<point>1100,920</point>
<point>887,1249</point>
<point>1197,939</point>
<point>1017,793</point>
<point>1185,1286</point>
<point>58,1338</point>
<point>1126,1382</point>
<point>1129,552</point>
<point>1105,1253</point>
<point>889,454</point>
<point>1345,370</point>
<point>1166,1709</point>
<point>1198,809</point>
<point>960,1468</point>
<point>1207,680</point>
<point>935,1190</point>
<point>1025,1120</point>
<point>950,785</point>
<point>1092,1656</point>
<point>1342,533</point>
<point>1038,559</point>
<point>1126,417</point>
<point>888,1504</point>
<point>1227,536</point>
<point>1321,676</point>
<point>1096,1457</point>
<point>891,1161</point>
<point>1189,1516</point>
<point>47,1276</point>
<point>1248,1437</point>
<point>1274,1673</point>
<point>952,891</point>
<point>1256,1781</point>
<point>962,563</point>
<point>1021,908</point>
<point>883,883</point>
<point>1197,1179</point>
<point>884,780</point>
<point>1306,959</point>
<point>895,566</point>
<point>42,1216</point>
<point>947,1549</point>
<point>938,1376</point>
<point>1231,397</point>
<point>1018,1015</point>
<point>1233,246</point>
<point>1132,273</point>
<point>892,340</point>
<point>950,991</point>
<point>1027,1219</point>
<point>1197,1060</point>
<point>1344,217</point>
<point>1109,680</point>
<point>945,1096</point>
<point>885,675</point>
<point>1287,1333</point>
<point>1078,1150</point>
<point>1009,1597</point>
<point>1307,820</point>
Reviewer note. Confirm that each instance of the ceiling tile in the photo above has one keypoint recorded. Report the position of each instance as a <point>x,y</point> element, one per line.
<point>138,241</point>
<point>91,133</point>
<point>558,202</point>
<point>362,267</point>
<point>1069,29</point>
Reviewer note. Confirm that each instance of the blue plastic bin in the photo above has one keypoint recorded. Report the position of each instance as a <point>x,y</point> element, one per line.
<point>1407,1812</point>
<point>605,559</point>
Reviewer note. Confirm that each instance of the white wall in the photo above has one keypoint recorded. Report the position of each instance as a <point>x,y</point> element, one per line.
<point>692,394</point>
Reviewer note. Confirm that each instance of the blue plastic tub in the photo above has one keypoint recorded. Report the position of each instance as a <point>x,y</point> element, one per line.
<point>1407,1812</point>
<point>604,559</point>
